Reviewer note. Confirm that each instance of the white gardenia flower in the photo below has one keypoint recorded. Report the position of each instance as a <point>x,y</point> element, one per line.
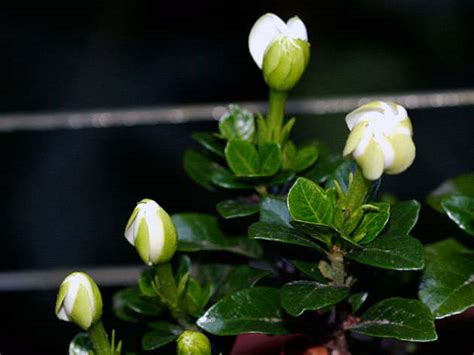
<point>79,300</point>
<point>280,49</point>
<point>380,139</point>
<point>152,232</point>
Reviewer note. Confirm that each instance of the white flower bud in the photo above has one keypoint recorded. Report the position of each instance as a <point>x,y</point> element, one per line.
<point>380,139</point>
<point>152,232</point>
<point>193,343</point>
<point>79,300</point>
<point>280,49</point>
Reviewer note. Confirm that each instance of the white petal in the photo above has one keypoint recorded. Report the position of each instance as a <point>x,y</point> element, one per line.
<point>297,29</point>
<point>262,34</point>
<point>387,149</point>
<point>156,235</point>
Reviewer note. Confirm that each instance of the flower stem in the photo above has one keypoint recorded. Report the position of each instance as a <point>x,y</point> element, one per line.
<point>166,284</point>
<point>99,339</point>
<point>357,192</point>
<point>276,113</point>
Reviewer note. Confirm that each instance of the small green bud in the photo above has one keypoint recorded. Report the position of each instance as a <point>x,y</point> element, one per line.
<point>79,300</point>
<point>280,49</point>
<point>152,232</point>
<point>193,343</point>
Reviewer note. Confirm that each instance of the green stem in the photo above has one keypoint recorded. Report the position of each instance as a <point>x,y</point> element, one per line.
<point>99,339</point>
<point>166,284</point>
<point>276,113</point>
<point>357,192</point>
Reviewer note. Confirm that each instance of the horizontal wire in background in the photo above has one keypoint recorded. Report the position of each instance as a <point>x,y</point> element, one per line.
<point>206,112</point>
<point>120,275</point>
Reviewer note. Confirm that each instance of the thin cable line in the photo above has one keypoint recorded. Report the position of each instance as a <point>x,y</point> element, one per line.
<point>205,112</point>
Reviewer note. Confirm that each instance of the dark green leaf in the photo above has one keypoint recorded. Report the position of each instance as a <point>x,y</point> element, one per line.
<point>200,168</point>
<point>324,167</point>
<point>357,300</point>
<point>310,269</point>
<point>183,266</point>
<point>321,232</point>
<point>225,179</point>
<point>210,142</point>
<point>341,174</point>
<point>270,159</point>
<point>461,185</point>
<point>165,327</point>
<point>373,223</point>
<point>391,251</point>
<point>288,155</point>
<point>398,318</point>
<point>282,177</point>
<point>252,310</point>
<point>201,232</point>
<point>214,275</point>
<point>461,210</point>
<point>196,297</point>
<point>307,202</point>
<point>300,296</point>
<point>155,339</point>
<point>242,158</point>
<point>403,217</point>
<point>241,277</point>
<point>146,281</point>
<point>305,157</point>
<point>237,208</point>
<point>81,344</point>
<point>237,123</point>
<point>447,286</point>
<point>282,234</point>
<point>135,301</point>
<point>274,210</point>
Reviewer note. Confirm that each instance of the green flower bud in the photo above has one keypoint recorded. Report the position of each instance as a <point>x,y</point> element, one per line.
<point>280,49</point>
<point>79,300</point>
<point>380,139</point>
<point>193,343</point>
<point>152,232</point>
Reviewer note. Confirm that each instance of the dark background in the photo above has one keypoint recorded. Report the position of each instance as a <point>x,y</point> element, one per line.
<point>66,195</point>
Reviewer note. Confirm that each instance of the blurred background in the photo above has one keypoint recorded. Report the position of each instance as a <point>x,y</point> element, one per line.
<point>67,194</point>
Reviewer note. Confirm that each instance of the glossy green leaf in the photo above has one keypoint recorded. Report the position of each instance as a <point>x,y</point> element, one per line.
<point>324,167</point>
<point>461,210</point>
<point>391,251</point>
<point>242,158</point>
<point>81,344</point>
<point>132,299</point>
<point>403,217</point>
<point>300,296</point>
<point>281,234</point>
<point>198,232</point>
<point>195,297</point>
<point>165,327</point>
<point>447,286</point>
<point>214,275</point>
<point>373,223</point>
<point>241,277</point>
<point>146,282</point>
<point>200,168</point>
<point>310,269</point>
<point>270,159</point>
<point>156,339</point>
<point>462,185</point>
<point>282,177</point>
<point>341,174</point>
<point>305,157</point>
<point>357,300</point>
<point>237,123</point>
<point>237,208</point>
<point>273,210</point>
<point>307,202</point>
<point>321,232</point>
<point>225,179</point>
<point>252,310</point>
<point>210,142</point>
<point>398,318</point>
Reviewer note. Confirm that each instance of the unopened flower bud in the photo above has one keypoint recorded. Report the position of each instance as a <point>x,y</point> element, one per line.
<point>152,232</point>
<point>193,343</point>
<point>280,49</point>
<point>380,139</point>
<point>79,300</point>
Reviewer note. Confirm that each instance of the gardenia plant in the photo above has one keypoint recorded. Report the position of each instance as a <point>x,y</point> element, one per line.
<point>321,207</point>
